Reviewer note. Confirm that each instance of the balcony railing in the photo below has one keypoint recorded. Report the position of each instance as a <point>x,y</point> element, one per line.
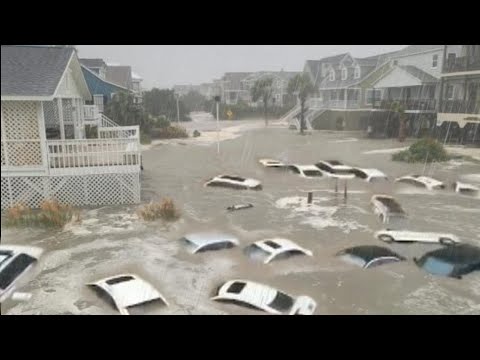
<point>461,64</point>
<point>316,103</point>
<point>81,156</point>
<point>407,104</point>
<point>460,107</point>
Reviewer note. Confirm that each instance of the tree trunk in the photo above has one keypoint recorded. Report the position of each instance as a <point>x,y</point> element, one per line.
<point>265,111</point>
<point>402,130</point>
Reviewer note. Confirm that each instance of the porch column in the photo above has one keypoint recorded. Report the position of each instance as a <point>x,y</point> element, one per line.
<point>345,93</point>
<point>60,117</point>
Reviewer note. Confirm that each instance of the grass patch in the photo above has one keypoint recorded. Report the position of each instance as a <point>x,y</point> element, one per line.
<point>51,214</point>
<point>164,209</point>
<point>428,150</point>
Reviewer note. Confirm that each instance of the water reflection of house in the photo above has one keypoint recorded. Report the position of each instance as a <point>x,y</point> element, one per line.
<point>459,104</point>
<point>44,149</point>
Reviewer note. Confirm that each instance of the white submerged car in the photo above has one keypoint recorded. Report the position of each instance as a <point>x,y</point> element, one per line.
<point>425,182</point>
<point>263,297</point>
<point>128,291</point>
<point>202,242</point>
<point>386,208</point>
<point>464,188</point>
<point>370,175</point>
<point>335,169</point>
<point>416,236</point>
<point>271,163</point>
<point>271,249</point>
<point>16,262</point>
<point>306,171</point>
<point>234,182</point>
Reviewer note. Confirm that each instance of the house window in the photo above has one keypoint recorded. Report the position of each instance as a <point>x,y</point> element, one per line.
<point>372,95</point>
<point>356,74</point>
<point>332,75</point>
<point>344,73</point>
<point>449,92</point>
<point>434,61</point>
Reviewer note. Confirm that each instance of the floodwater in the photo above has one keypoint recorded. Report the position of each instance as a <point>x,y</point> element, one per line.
<point>112,240</point>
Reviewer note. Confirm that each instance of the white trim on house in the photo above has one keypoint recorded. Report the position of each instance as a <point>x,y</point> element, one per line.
<point>461,73</point>
<point>85,92</point>
<point>26,98</point>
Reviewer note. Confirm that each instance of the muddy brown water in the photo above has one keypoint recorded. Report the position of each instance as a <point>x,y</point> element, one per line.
<point>111,240</point>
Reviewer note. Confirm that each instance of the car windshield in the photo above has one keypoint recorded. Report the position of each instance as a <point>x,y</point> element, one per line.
<point>15,269</point>
<point>354,260</point>
<point>312,173</point>
<point>190,246</point>
<point>119,280</point>
<point>256,253</point>
<point>438,266</point>
<point>282,302</point>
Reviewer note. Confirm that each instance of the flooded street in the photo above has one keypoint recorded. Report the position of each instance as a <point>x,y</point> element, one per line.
<point>112,240</point>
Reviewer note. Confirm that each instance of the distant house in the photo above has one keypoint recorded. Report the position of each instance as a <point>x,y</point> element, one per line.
<point>98,66</point>
<point>137,88</point>
<point>233,89</point>
<point>120,75</point>
<point>459,100</point>
<point>45,153</point>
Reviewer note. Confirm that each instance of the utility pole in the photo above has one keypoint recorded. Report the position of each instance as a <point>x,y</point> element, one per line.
<point>178,110</point>
<point>217,100</point>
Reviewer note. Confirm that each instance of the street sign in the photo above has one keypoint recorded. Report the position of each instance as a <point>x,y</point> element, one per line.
<point>229,114</point>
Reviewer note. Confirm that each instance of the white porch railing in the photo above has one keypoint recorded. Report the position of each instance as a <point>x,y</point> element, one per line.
<point>107,122</point>
<point>81,156</point>
<point>119,132</point>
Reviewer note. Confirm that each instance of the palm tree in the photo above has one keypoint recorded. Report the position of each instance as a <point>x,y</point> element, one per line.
<point>302,86</point>
<point>263,89</point>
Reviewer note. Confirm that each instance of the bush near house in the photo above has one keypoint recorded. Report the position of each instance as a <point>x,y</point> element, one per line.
<point>51,214</point>
<point>164,209</point>
<point>425,150</point>
<point>170,132</point>
<point>243,111</point>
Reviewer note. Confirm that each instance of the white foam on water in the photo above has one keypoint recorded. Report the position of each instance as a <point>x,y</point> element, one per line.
<point>384,151</point>
<point>471,177</point>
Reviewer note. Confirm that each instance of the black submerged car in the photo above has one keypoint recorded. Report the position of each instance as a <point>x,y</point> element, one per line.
<point>452,261</point>
<point>368,256</point>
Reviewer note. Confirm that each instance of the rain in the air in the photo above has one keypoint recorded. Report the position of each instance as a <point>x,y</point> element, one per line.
<point>240,179</point>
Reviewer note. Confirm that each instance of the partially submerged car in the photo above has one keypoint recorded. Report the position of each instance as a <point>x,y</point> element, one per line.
<point>234,182</point>
<point>271,163</point>
<point>306,171</point>
<point>416,236</point>
<point>369,256</point>
<point>263,297</point>
<point>452,261</point>
<point>270,249</point>
<point>464,188</point>
<point>336,169</point>
<point>421,181</point>
<point>16,262</point>
<point>369,175</point>
<point>386,208</point>
<point>202,242</point>
<point>127,291</point>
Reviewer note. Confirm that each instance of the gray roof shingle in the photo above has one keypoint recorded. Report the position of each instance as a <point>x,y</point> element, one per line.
<point>33,70</point>
<point>419,74</point>
<point>120,75</point>
<point>414,49</point>
<point>92,63</point>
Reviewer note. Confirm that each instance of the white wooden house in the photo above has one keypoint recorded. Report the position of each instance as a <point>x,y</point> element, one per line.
<point>44,152</point>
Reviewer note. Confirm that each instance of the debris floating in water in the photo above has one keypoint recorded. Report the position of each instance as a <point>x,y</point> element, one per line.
<point>239,207</point>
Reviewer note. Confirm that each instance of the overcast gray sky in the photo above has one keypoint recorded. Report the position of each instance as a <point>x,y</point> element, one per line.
<point>167,65</point>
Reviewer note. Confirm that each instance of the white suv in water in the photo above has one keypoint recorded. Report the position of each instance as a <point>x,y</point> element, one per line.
<point>263,297</point>
<point>416,236</point>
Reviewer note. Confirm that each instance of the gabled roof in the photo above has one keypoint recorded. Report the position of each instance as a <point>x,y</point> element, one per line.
<point>84,68</point>
<point>419,74</point>
<point>120,75</point>
<point>416,49</point>
<point>92,63</point>
<point>33,71</point>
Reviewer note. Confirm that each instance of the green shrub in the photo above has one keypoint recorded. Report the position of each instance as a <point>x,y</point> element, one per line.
<point>170,132</point>
<point>145,138</point>
<point>428,150</point>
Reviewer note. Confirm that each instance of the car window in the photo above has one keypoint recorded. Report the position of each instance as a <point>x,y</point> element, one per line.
<point>216,246</point>
<point>438,266</point>
<point>236,288</point>
<point>323,166</point>
<point>381,261</point>
<point>272,244</point>
<point>256,253</point>
<point>4,256</point>
<point>359,173</point>
<point>13,270</point>
<point>294,169</point>
<point>282,302</point>
<point>312,173</point>
<point>119,280</point>
<point>234,178</point>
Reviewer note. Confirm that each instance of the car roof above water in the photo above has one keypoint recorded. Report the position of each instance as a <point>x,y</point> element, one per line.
<point>208,238</point>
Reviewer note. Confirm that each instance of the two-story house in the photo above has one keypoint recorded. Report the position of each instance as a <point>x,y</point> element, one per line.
<point>459,102</point>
